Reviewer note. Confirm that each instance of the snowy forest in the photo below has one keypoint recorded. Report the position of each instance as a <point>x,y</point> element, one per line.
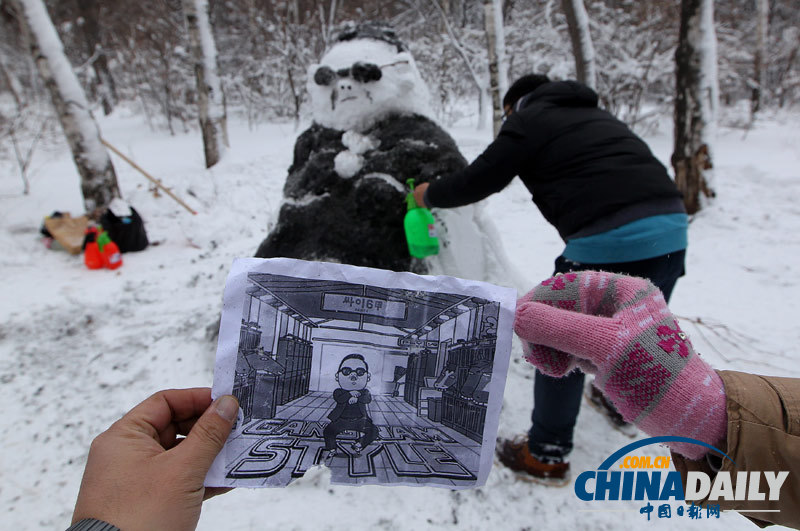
<point>138,54</point>
<point>146,57</point>
<point>202,115</point>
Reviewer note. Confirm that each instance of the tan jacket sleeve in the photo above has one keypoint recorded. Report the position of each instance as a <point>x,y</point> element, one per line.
<point>763,434</point>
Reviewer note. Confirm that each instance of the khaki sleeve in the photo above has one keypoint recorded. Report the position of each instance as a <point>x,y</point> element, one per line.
<point>763,435</point>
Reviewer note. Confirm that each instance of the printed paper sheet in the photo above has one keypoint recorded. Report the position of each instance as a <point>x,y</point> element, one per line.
<point>384,377</point>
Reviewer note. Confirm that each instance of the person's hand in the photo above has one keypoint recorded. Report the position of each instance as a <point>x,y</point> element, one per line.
<point>355,394</point>
<point>137,475</point>
<point>352,400</point>
<point>620,329</point>
<point>419,194</point>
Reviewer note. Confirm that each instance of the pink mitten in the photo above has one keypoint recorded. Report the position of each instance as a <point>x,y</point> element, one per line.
<point>620,329</point>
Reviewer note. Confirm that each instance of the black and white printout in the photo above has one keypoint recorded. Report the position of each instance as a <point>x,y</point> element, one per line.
<point>384,377</point>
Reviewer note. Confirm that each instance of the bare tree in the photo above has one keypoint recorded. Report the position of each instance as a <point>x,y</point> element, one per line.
<point>90,12</point>
<point>291,47</point>
<point>496,46</point>
<point>98,179</point>
<point>265,46</point>
<point>582,48</point>
<point>10,82</point>
<point>211,105</point>
<point>459,48</point>
<point>760,55</point>
<point>695,101</point>
<point>23,155</point>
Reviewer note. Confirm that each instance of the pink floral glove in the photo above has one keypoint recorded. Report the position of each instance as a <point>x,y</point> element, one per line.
<point>620,329</point>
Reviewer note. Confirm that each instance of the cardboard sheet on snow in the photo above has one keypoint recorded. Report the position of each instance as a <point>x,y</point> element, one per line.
<point>384,377</point>
<point>68,231</point>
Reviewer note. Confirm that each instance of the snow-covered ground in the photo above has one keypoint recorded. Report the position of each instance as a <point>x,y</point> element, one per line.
<point>78,348</point>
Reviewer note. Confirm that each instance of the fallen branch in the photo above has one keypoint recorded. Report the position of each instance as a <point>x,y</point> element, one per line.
<point>155,181</point>
<point>733,338</point>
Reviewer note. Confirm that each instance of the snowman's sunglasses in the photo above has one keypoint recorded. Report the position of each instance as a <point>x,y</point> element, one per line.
<point>361,72</point>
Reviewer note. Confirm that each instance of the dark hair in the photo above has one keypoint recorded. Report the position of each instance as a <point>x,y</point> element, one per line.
<point>354,357</point>
<point>524,85</point>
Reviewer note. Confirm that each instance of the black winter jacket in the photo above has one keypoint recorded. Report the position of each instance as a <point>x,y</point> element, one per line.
<point>579,162</point>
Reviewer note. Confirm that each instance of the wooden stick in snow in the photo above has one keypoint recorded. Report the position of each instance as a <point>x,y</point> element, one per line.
<point>155,181</point>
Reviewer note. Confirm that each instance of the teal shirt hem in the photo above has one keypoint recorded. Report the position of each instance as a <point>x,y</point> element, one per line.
<point>639,240</point>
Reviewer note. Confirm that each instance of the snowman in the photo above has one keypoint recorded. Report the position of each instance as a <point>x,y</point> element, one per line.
<point>371,131</point>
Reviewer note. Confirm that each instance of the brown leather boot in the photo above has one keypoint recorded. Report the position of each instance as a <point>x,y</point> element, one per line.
<point>515,455</point>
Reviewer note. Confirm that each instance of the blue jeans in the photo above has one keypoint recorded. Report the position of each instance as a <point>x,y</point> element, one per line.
<point>556,401</point>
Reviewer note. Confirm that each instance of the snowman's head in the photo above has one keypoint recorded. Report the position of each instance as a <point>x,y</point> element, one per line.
<point>363,77</point>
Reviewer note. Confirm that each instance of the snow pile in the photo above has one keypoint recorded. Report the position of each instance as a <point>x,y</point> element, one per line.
<point>471,247</point>
<point>120,208</point>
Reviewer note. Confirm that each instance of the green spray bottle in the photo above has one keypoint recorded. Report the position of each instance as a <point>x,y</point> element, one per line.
<point>420,227</point>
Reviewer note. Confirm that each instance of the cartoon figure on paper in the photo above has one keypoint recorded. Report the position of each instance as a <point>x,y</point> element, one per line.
<point>350,412</point>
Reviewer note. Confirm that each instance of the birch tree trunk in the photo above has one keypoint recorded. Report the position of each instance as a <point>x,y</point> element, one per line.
<point>695,101</point>
<point>210,101</point>
<point>582,47</point>
<point>98,179</point>
<point>90,11</point>
<point>760,55</point>
<point>496,46</point>
<point>327,26</point>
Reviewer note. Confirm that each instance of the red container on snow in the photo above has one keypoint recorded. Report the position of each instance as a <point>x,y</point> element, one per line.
<point>91,253</point>
<point>92,256</point>
<point>112,258</point>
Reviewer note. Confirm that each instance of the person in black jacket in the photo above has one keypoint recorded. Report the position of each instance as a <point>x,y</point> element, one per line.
<point>611,201</point>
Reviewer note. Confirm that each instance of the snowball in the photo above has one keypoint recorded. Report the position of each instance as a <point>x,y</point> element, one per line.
<point>347,163</point>
<point>358,143</point>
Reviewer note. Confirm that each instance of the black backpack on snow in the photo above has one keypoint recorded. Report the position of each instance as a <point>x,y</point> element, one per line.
<point>127,231</point>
